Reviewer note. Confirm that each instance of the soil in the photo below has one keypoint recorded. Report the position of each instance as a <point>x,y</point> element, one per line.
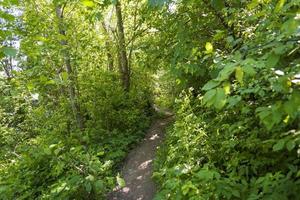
<point>137,169</point>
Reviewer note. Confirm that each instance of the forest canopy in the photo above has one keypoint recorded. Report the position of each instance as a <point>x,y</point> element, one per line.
<point>79,81</point>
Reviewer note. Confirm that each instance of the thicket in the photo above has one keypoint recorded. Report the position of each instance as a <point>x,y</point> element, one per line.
<point>236,134</point>
<point>69,113</point>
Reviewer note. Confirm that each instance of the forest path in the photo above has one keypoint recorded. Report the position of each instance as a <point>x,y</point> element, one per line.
<point>137,169</point>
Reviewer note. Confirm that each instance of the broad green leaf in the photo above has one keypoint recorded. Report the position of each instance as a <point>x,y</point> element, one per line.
<point>64,76</point>
<point>120,181</point>
<point>233,100</point>
<point>209,47</point>
<point>88,3</point>
<point>90,178</point>
<point>30,86</point>
<point>236,193</point>
<point>253,4</point>
<point>290,145</point>
<point>226,72</point>
<point>88,187</point>
<point>9,51</point>
<point>210,85</point>
<point>279,5</point>
<point>279,145</point>
<point>265,115</point>
<point>209,97</point>
<point>226,87</point>
<point>272,60</point>
<point>6,16</point>
<point>291,26</point>
<point>249,70</point>
<point>99,185</point>
<point>220,99</point>
<point>239,75</point>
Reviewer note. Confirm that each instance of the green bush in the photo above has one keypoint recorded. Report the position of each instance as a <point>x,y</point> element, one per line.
<point>59,161</point>
<point>237,135</point>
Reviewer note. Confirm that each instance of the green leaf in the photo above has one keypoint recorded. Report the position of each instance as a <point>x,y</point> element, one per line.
<point>233,100</point>
<point>218,4</point>
<point>209,47</point>
<point>226,72</point>
<point>9,51</point>
<point>90,178</point>
<point>236,193</point>
<point>226,87</point>
<point>279,5</point>
<point>272,60</point>
<point>156,3</point>
<point>120,181</point>
<point>88,187</point>
<point>88,3</point>
<point>209,97</point>
<point>215,97</point>
<point>279,145</point>
<point>30,86</point>
<point>64,76</point>
<point>290,145</point>
<point>220,99</point>
<point>205,174</point>
<point>99,185</point>
<point>239,74</point>
<point>188,187</point>
<point>210,85</point>
<point>249,70</point>
<point>6,16</point>
<point>253,4</point>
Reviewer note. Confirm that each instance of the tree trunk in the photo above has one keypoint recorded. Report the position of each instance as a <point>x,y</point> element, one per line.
<point>122,54</point>
<point>108,46</point>
<point>68,67</point>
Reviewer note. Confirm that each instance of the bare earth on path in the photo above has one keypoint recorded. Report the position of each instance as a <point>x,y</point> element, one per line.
<point>137,168</point>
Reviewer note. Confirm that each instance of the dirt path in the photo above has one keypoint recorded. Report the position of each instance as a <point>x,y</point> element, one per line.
<point>137,169</point>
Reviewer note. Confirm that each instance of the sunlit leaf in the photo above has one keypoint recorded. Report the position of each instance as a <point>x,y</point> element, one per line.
<point>279,5</point>
<point>209,47</point>
<point>226,87</point>
<point>239,74</point>
<point>120,181</point>
<point>88,3</point>
<point>220,99</point>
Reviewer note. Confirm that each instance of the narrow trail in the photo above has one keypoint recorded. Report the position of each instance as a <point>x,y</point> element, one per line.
<point>137,169</point>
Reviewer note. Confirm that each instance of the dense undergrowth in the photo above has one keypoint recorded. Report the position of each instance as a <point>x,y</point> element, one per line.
<point>69,110</point>
<point>236,134</point>
<point>54,160</point>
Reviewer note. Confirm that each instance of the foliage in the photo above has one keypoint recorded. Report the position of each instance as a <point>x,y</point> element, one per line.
<point>44,154</point>
<point>236,134</point>
<point>77,93</point>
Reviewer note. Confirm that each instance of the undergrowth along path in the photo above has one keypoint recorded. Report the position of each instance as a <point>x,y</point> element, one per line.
<point>137,169</point>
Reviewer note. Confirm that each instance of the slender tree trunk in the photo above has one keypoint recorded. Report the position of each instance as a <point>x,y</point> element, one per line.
<point>108,46</point>
<point>68,67</point>
<point>122,54</point>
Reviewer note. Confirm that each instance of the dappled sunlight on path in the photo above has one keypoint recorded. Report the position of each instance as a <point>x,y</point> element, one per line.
<point>137,169</point>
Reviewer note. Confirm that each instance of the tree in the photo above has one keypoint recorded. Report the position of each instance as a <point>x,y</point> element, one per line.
<point>67,62</point>
<point>122,53</point>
